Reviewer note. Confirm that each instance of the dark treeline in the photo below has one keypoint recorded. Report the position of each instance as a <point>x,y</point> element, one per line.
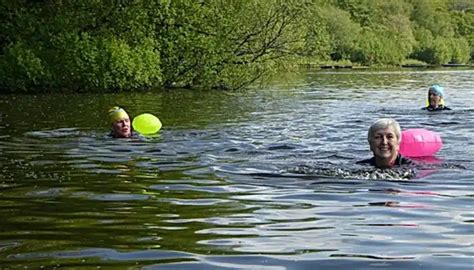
<point>95,45</point>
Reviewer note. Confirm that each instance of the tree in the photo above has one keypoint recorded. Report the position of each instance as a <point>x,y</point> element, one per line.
<point>227,44</point>
<point>342,30</point>
<point>80,45</point>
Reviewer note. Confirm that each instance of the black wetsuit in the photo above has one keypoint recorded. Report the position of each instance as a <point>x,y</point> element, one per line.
<point>400,160</point>
<point>132,135</point>
<point>440,108</point>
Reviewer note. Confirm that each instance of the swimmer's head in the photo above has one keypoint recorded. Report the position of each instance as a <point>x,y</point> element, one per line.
<point>436,90</point>
<point>385,123</point>
<point>120,121</point>
<point>117,113</point>
<point>384,138</point>
<point>435,96</point>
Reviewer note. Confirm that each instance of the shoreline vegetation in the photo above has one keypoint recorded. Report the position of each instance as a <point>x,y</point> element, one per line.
<point>336,65</point>
<point>94,46</point>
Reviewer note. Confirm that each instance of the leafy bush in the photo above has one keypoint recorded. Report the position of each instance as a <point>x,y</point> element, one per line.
<point>21,68</point>
<point>98,46</point>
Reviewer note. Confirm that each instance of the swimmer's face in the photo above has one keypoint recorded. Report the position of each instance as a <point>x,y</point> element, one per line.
<point>121,128</point>
<point>434,99</point>
<point>385,144</point>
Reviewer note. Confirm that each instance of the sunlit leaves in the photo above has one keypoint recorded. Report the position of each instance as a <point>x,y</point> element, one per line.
<point>227,44</point>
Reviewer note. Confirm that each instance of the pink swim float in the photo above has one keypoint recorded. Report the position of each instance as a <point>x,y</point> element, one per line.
<point>419,142</point>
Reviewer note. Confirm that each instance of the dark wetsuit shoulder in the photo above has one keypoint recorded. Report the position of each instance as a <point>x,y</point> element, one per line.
<point>401,160</point>
<point>440,108</point>
<point>370,161</point>
<point>133,135</point>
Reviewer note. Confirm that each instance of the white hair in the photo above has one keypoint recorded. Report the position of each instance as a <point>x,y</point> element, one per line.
<point>384,123</point>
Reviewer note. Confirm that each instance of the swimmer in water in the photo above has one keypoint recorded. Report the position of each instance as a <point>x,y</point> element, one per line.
<point>120,121</point>
<point>435,99</point>
<point>384,138</point>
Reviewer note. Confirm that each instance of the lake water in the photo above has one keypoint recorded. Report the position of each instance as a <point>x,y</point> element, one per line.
<point>219,187</point>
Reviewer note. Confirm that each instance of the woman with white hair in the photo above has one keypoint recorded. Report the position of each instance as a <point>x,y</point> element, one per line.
<point>435,100</point>
<point>384,138</point>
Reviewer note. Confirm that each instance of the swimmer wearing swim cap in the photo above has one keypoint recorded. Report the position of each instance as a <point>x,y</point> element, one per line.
<point>120,121</point>
<point>436,99</point>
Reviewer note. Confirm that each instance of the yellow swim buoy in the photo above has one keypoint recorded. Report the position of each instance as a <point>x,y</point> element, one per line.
<point>146,124</point>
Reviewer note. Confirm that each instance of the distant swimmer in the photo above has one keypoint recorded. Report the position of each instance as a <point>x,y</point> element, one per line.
<point>384,138</point>
<point>435,100</point>
<point>121,127</point>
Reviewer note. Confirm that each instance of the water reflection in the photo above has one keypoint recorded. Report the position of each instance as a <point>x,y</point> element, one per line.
<point>262,179</point>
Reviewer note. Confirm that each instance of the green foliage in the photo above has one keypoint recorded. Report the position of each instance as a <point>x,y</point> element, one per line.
<point>363,12</point>
<point>227,44</point>
<point>460,51</point>
<point>463,15</point>
<point>424,48</point>
<point>84,45</point>
<point>21,67</point>
<point>382,47</point>
<point>433,15</point>
<point>101,46</point>
<point>343,32</point>
<point>104,62</point>
<point>441,50</point>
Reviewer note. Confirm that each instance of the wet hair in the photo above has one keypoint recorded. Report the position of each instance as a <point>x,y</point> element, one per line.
<point>384,123</point>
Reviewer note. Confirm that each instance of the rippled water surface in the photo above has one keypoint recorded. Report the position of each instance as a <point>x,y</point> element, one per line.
<point>258,179</point>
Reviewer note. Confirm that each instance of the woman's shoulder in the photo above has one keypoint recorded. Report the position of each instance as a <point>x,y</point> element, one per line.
<point>401,160</point>
<point>370,161</point>
<point>440,108</point>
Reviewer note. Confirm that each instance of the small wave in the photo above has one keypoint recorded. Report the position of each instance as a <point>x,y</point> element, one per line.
<point>401,173</point>
<point>54,133</point>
